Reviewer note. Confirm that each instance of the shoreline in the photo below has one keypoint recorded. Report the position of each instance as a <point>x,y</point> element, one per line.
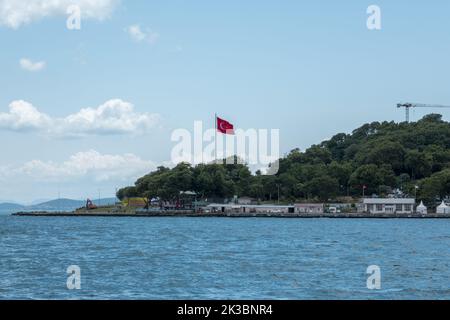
<point>234,215</point>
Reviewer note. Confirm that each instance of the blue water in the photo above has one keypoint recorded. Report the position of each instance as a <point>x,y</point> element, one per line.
<point>214,258</point>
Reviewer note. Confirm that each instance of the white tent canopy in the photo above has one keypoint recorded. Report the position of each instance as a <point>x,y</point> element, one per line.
<point>443,208</point>
<point>421,208</point>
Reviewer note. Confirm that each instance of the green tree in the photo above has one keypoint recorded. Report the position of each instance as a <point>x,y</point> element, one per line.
<point>435,187</point>
<point>372,176</point>
<point>418,164</point>
<point>323,187</point>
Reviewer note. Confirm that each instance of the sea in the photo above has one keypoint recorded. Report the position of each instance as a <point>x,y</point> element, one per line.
<point>223,258</point>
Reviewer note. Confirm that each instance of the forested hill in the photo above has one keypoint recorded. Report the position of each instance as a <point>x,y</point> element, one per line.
<point>381,156</point>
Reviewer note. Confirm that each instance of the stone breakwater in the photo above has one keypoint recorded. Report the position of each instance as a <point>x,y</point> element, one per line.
<point>235,215</point>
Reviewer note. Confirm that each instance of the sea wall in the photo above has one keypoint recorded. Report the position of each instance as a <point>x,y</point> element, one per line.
<point>236,215</point>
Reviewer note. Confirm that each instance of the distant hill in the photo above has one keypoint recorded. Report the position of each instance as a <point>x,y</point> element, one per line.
<point>68,204</point>
<point>54,205</point>
<point>58,204</point>
<point>37,201</point>
<point>10,206</point>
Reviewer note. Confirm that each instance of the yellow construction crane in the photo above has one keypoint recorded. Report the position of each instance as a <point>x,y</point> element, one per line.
<point>409,105</point>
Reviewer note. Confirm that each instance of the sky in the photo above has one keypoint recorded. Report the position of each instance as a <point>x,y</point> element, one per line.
<point>86,111</point>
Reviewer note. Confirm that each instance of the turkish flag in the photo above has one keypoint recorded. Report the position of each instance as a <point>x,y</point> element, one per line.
<point>224,126</point>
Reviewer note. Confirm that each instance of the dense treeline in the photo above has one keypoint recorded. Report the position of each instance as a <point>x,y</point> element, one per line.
<point>381,156</point>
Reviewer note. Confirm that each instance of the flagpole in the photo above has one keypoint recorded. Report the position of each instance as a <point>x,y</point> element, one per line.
<point>215,136</point>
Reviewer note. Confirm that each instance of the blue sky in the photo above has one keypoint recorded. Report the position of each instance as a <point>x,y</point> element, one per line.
<point>310,68</point>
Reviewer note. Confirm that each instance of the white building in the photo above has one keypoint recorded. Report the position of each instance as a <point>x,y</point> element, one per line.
<point>443,208</point>
<point>388,205</point>
<point>242,208</point>
<point>308,208</point>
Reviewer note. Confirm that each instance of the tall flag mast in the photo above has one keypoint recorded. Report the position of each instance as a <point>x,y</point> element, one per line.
<point>215,137</point>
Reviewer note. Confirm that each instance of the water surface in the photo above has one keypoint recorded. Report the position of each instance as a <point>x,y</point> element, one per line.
<point>220,258</point>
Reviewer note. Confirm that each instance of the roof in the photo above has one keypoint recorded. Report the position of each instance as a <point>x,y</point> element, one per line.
<point>269,206</point>
<point>443,205</point>
<point>389,201</point>
<point>421,206</point>
<point>303,205</point>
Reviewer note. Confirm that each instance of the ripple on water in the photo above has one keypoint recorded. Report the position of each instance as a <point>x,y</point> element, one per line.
<point>192,258</point>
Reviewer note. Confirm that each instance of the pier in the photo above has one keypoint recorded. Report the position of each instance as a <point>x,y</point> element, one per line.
<point>192,214</point>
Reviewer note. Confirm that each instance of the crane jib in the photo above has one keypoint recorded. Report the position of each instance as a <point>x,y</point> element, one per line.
<point>409,105</point>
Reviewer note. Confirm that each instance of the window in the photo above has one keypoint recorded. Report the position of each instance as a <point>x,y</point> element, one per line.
<point>408,207</point>
<point>398,207</point>
<point>379,207</point>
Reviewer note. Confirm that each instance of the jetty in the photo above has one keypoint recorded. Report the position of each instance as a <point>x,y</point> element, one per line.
<point>191,214</point>
<point>376,208</point>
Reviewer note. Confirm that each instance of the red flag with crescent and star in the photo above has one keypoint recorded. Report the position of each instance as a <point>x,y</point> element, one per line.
<point>224,126</point>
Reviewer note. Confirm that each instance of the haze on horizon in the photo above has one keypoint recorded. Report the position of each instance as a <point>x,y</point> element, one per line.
<point>90,110</point>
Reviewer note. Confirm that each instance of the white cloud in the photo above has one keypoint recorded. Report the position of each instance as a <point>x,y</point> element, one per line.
<point>90,164</point>
<point>113,117</point>
<point>29,65</point>
<point>16,13</point>
<point>79,176</point>
<point>138,35</point>
<point>23,116</point>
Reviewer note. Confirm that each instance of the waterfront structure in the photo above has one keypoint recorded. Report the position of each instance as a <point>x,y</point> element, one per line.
<point>421,208</point>
<point>135,202</point>
<point>389,205</point>
<point>246,208</point>
<point>311,208</point>
<point>443,208</point>
<point>308,208</point>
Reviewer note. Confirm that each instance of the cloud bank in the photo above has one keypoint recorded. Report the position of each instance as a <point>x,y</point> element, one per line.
<point>16,13</point>
<point>79,176</point>
<point>89,164</point>
<point>113,117</point>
